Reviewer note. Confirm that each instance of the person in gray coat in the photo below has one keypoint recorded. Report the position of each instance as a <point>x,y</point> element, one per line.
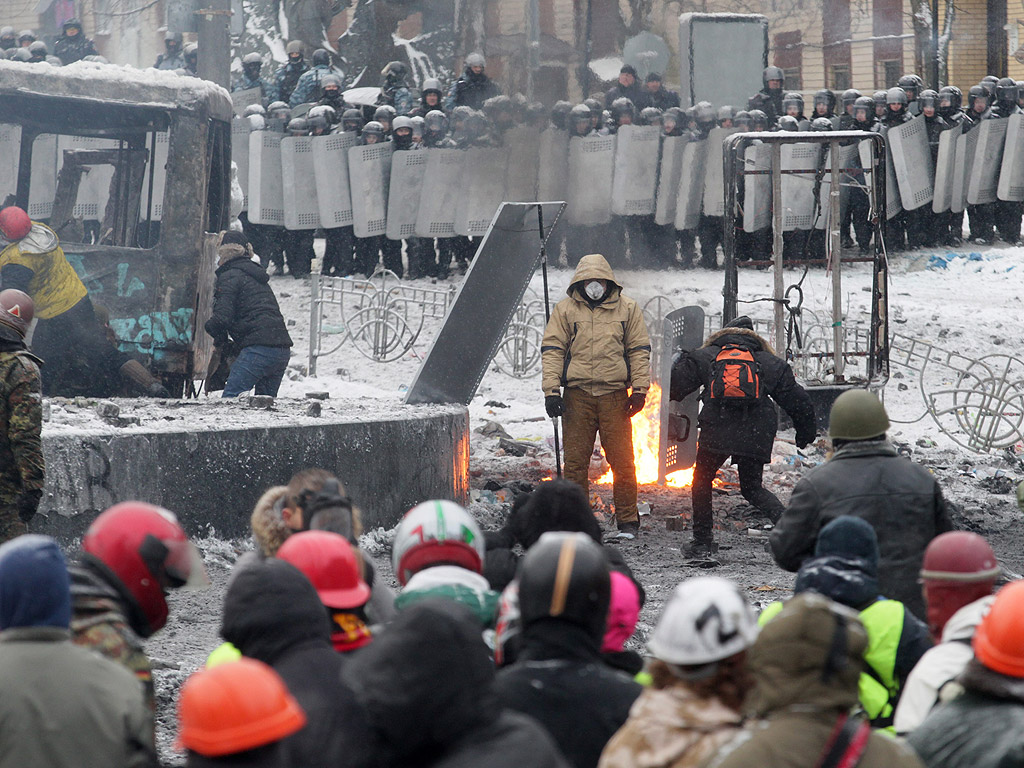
<point>866,478</point>
<point>63,706</point>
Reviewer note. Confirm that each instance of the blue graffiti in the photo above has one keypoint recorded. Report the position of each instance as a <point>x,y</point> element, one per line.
<point>133,286</point>
<point>157,330</point>
<point>91,284</point>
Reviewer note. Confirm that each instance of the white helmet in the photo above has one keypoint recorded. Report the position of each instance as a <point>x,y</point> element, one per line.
<point>707,619</point>
<point>436,533</point>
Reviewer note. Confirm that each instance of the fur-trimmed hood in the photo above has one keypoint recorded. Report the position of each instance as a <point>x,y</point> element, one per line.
<point>743,336</point>
<point>268,528</point>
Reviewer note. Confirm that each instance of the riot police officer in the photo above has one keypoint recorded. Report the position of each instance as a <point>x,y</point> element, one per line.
<point>769,99</point>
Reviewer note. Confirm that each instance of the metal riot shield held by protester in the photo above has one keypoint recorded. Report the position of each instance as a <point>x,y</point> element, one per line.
<point>591,168</point>
<point>330,168</point>
<point>714,189</point>
<point>553,170</point>
<point>757,189</point>
<point>912,161</point>
<point>945,163</point>
<point>483,189</point>
<point>988,159</point>
<point>1011,173</point>
<point>440,193</point>
<point>683,330</point>
<point>407,169</point>
<point>669,169</point>
<point>798,188</point>
<point>522,164</point>
<point>266,193</point>
<point>297,170</point>
<point>966,145</point>
<point>369,172</point>
<point>691,185</point>
<point>635,178</point>
<point>240,128</point>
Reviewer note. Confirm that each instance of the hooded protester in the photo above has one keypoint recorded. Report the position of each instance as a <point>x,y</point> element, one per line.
<point>623,614</point>
<point>866,478</point>
<point>845,569</point>
<point>272,613</point>
<point>172,58</point>
<point>559,677</point>
<point>63,706</point>
<point>473,88</point>
<point>806,666</point>
<point>984,726</point>
<point>596,347</point>
<point>959,573</point>
<point>693,707</point>
<point>73,45</point>
<point>742,379</point>
<point>426,687</point>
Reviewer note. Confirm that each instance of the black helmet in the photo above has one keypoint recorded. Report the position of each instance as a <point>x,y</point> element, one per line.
<point>564,576</point>
<point>650,116</point>
<point>850,95</point>
<point>579,114</point>
<point>402,140</point>
<point>1006,89</point>
<point>821,124</point>
<point>436,122</point>
<point>865,105</point>
<point>704,113</point>
<point>252,58</point>
<point>978,93</point>
<point>496,105</point>
<point>622,107</point>
<point>38,51</point>
<point>772,73</point>
<point>321,58</point>
<point>928,98</point>
<point>385,114</point>
<point>253,109</point>
<point>560,114</point>
<point>294,48</point>
<point>298,126</point>
<point>896,95</point>
<point>71,23</point>
<point>395,71</point>
<point>789,123</point>
<point>879,99</point>
<point>460,113</point>
<point>317,121</point>
<point>352,120</point>
<point>950,100</point>
<point>758,120</point>
<point>826,97</point>
<point>476,124</point>
<point>26,36</point>
<point>22,54</point>
<point>596,110</point>
<point>911,85</point>
<point>793,98</point>
<point>375,130</point>
<point>419,126</point>
<point>742,120</point>
<point>988,82</point>
<point>279,109</point>
<point>673,121</point>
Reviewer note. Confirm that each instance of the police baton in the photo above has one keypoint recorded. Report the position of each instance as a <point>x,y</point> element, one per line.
<point>547,317</point>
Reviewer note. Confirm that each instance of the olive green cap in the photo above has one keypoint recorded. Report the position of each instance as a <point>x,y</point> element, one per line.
<point>857,414</point>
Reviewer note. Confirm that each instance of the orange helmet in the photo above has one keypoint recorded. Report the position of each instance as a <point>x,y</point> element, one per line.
<point>331,564</point>
<point>234,707</point>
<point>16,312</point>
<point>997,641</point>
<point>14,223</point>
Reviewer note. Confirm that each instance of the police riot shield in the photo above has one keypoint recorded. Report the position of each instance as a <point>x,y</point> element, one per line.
<point>892,191</point>
<point>523,164</point>
<point>407,169</point>
<point>988,158</point>
<point>483,188</point>
<point>757,189</point>
<point>553,171</point>
<point>966,145</point>
<point>684,330</point>
<point>714,189</point>
<point>266,194</point>
<point>440,193</point>
<point>43,178</point>
<point>635,178</point>
<point>239,156</point>
<point>369,172</point>
<point>1011,173</point>
<point>298,178</point>
<point>246,98</point>
<point>10,141</point>
<point>691,185</point>
<point>591,169</point>
<point>944,169</point>
<point>94,189</point>
<point>160,174</point>
<point>670,166</point>
<point>798,204</point>
<point>849,176</point>
<point>912,161</point>
<point>330,169</point>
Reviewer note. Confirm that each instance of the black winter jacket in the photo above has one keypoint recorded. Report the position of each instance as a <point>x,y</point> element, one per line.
<point>72,49</point>
<point>472,90</point>
<point>273,614</point>
<point>747,431</point>
<point>901,501</point>
<point>561,680</point>
<point>635,93</point>
<point>245,308</point>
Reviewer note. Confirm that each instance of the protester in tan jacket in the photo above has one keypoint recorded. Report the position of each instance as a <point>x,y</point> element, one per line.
<point>596,347</point>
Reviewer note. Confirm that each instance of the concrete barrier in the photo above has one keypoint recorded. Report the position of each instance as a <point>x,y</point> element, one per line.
<point>213,477</point>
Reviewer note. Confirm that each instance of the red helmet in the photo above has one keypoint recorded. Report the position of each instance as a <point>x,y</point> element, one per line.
<point>331,564</point>
<point>146,549</point>
<point>14,223</point>
<point>16,312</point>
<point>959,567</point>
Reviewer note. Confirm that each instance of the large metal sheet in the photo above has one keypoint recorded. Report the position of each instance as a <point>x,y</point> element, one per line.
<point>523,164</point>
<point>160,174</point>
<point>988,158</point>
<point>669,169</point>
<point>483,190</point>
<point>714,188</point>
<point>484,305</point>
<point>966,145</point>
<point>691,185</point>
<point>683,330</point>
<point>266,193</point>
<point>299,180</point>
<point>553,173</point>
<point>1011,173</point>
<point>369,172</point>
<point>591,170</point>
<point>240,156</point>
<point>246,98</point>
<point>407,169</point>
<point>757,190</point>
<point>440,194</point>
<point>94,191</point>
<point>721,57</point>
<point>912,160</point>
<point>945,162</point>
<point>798,188</point>
<point>330,168</point>
<point>635,179</point>
<point>43,176</point>
<point>10,143</point>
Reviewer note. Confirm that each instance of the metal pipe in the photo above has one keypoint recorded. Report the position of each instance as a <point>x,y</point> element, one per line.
<point>779,292</point>
<point>836,261</point>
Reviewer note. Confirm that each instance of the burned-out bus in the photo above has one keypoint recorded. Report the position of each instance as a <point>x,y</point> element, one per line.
<point>131,168</point>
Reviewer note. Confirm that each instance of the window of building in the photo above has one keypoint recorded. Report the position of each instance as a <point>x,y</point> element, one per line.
<point>887,73</point>
<point>788,56</point>
<point>839,77</point>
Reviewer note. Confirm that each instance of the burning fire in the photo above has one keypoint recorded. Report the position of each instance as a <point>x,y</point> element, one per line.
<point>646,443</point>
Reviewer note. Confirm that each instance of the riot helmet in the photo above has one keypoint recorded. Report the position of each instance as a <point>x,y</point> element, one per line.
<point>793,104</point>
<point>373,133</point>
<point>560,115</point>
<point>38,52</point>
<point>672,121</point>
<point>191,56</point>
<point>279,110</point>
<point>880,105</point>
<point>419,126</point>
<point>896,101</point>
<point>498,110</point>
<point>436,123</point>
<point>401,132</point>
<point>988,82</point>
<point>352,120</point>
<point>475,125</point>
<point>758,120</point>
<point>725,116</point>
<point>824,103</point>
<point>580,120</point>
<point>742,120</point>
<point>394,73</point>
<point>476,66</point>
<point>650,116</point>
<point>978,99</point>
<point>254,109</point>
<point>850,95</point>
<point>623,111</point>
<point>298,126</point>
<point>772,75</point>
<point>22,54</point>
<point>535,114</point>
<point>789,123</point>
<point>321,58</point>
<point>317,120</point>
<point>950,99</point>
<point>252,63</point>
<point>928,100</point>
<point>172,42</point>
<point>294,52</point>
<point>864,110</point>
<point>1006,90</point>
<point>330,89</point>
<point>384,115</point>
<point>1020,93</point>
<point>459,115</point>
<point>821,124</point>
<point>8,38</point>
<point>26,37</point>
<point>704,114</point>
<point>431,93</point>
<point>596,113</point>
<point>911,85</point>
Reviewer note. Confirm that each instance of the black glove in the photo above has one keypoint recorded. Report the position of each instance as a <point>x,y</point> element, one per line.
<point>28,503</point>
<point>635,404</point>
<point>554,405</point>
<point>803,440</point>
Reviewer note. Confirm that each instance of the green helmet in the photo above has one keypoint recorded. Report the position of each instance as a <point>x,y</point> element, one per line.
<point>857,414</point>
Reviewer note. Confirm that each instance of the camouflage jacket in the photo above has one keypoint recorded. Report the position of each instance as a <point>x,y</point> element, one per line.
<point>21,419</point>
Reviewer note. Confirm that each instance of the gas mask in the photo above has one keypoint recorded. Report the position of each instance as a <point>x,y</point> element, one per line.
<point>594,290</point>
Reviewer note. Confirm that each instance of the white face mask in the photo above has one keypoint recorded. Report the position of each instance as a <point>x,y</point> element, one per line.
<point>594,289</point>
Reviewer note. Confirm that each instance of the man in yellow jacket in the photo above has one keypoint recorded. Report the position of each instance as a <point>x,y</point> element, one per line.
<point>596,347</point>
